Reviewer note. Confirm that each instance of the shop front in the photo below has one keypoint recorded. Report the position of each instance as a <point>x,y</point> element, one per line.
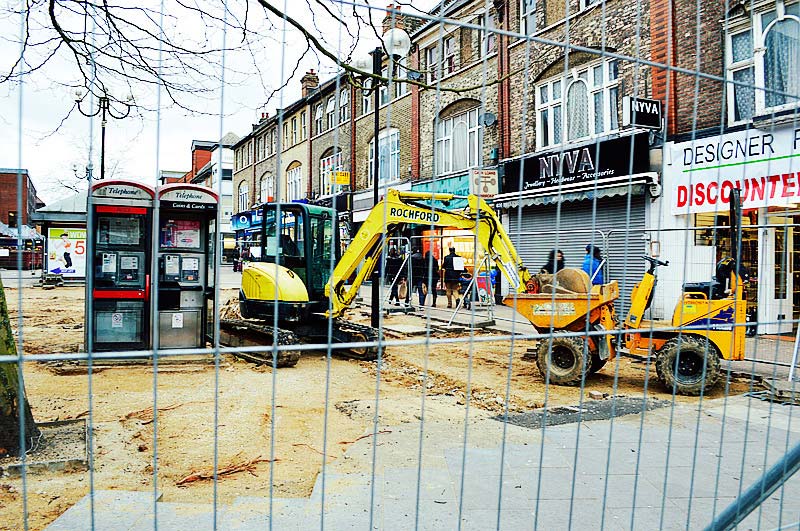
<point>247,228</point>
<point>597,193</point>
<point>699,176</point>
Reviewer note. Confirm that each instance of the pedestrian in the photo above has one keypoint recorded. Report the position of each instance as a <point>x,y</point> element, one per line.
<point>237,259</point>
<point>592,264</point>
<point>555,262</point>
<point>418,275</point>
<point>394,276</point>
<point>244,258</point>
<point>432,275</point>
<point>452,266</point>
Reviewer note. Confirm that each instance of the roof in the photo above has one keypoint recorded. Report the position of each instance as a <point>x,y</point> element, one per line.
<point>71,208</point>
<point>14,170</point>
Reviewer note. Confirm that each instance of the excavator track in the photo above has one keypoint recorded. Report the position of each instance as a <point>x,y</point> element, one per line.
<point>247,333</point>
<point>343,332</point>
<point>346,331</point>
<point>242,333</point>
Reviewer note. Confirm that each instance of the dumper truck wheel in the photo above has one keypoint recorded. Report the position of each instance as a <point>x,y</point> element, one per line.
<point>680,364</point>
<point>563,358</point>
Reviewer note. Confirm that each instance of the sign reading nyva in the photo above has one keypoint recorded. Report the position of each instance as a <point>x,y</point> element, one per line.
<point>641,112</point>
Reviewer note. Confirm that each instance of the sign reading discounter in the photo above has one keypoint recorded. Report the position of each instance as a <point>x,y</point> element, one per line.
<point>764,165</point>
<point>66,252</point>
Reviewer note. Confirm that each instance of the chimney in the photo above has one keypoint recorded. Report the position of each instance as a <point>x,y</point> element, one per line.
<point>309,82</point>
<point>396,17</point>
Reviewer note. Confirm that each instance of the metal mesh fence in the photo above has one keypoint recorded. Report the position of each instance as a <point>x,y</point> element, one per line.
<point>524,265</point>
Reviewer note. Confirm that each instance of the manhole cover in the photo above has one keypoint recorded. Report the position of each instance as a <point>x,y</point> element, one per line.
<point>589,410</point>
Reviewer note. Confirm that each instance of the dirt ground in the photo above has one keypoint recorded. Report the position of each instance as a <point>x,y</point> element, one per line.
<point>258,414</point>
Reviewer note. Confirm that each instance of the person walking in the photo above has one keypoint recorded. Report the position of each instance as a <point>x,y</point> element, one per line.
<point>452,266</point>
<point>432,274</point>
<point>419,274</point>
<point>592,264</point>
<point>393,274</point>
<point>555,262</point>
<point>237,259</point>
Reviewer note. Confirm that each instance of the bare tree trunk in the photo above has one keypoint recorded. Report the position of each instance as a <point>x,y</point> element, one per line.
<point>12,393</point>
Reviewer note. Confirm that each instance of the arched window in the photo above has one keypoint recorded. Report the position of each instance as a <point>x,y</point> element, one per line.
<point>244,196</point>
<point>319,125</point>
<point>330,162</point>
<point>330,112</point>
<point>763,49</point>
<point>458,143</point>
<point>578,115</point>
<point>781,62</point>
<point>577,105</point>
<point>294,182</point>
<point>344,105</point>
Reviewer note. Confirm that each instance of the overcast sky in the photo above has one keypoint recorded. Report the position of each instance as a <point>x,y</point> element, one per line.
<point>50,148</point>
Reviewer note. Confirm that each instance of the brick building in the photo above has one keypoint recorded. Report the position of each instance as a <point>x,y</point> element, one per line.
<point>573,174</point>
<point>9,191</point>
<point>723,133</point>
<point>331,124</point>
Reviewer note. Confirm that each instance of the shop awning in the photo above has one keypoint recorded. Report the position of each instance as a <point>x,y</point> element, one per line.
<point>637,185</point>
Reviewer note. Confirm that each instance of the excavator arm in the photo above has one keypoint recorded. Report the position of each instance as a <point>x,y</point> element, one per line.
<point>398,208</point>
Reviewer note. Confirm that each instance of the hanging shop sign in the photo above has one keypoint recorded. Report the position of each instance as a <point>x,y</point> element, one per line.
<point>641,112</point>
<point>764,165</point>
<point>579,167</point>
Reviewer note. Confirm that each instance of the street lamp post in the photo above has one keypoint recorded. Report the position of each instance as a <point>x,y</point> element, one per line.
<point>397,43</point>
<point>106,109</point>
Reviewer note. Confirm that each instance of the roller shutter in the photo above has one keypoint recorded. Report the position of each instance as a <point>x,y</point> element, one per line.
<point>544,227</point>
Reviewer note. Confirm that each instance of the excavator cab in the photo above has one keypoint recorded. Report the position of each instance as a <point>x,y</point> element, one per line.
<point>297,243</point>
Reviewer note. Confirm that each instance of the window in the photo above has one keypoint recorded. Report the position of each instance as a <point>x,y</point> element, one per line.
<point>266,188</point>
<point>248,153</point>
<point>285,135</point>
<point>271,142</point>
<point>448,64</point>
<point>384,88</point>
<point>366,100</point>
<point>486,38</point>
<point>12,219</point>
<point>303,126</point>
<point>294,182</point>
<point>458,143</point>
<point>588,3</point>
<point>344,105</point>
<point>260,148</point>
<point>244,196</point>
<point>294,130</point>
<point>328,165</point>
<point>400,88</point>
<point>527,10</point>
<point>330,112</point>
<point>579,105</point>
<point>388,157</point>
<point>237,159</point>
<point>318,125</point>
<point>764,51</point>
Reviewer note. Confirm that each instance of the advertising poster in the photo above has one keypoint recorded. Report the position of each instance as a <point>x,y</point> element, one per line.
<point>66,252</point>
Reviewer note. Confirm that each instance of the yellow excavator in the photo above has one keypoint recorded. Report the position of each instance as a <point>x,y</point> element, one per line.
<point>290,285</point>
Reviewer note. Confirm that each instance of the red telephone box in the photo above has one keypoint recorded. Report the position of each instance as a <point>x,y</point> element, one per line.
<point>120,224</point>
